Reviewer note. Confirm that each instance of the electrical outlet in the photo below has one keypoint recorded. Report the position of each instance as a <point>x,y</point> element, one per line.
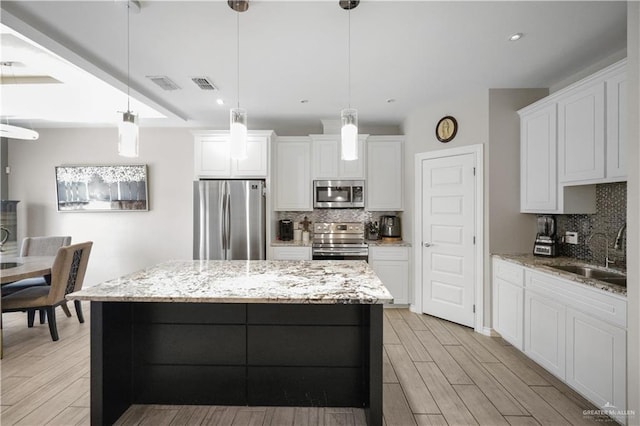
<point>571,237</point>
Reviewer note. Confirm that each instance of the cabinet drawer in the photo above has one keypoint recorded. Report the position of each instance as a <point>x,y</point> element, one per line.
<point>291,253</point>
<point>509,272</point>
<point>607,307</point>
<point>388,253</point>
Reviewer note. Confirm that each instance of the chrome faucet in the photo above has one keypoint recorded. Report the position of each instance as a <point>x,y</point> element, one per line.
<point>607,261</point>
<point>621,232</point>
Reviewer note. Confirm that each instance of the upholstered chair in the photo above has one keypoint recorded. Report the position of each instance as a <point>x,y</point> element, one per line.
<point>67,275</point>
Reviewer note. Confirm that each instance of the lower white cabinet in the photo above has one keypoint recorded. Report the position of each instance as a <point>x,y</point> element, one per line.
<point>391,264</point>
<point>508,294</point>
<point>291,253</point>
<point>596,359</point>
<point>544,332</point>
<point>576,332</point>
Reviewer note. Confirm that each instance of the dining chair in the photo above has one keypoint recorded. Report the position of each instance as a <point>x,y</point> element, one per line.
<point>67,275</point>
<point>38,246</point>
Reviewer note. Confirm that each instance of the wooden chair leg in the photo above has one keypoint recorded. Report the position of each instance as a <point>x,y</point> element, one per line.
<point>31,315</point>
<point>51,319</point>
<point>43,315</point>
<point>78,306</point>
<point>66,310</point>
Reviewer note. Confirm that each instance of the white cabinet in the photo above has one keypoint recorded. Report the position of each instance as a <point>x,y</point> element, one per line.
<point>596,359</point>
<point>508,302</point>
<point>292,174</point>
<point>576,332</point>
<point>544,332</point>
<point>617,106</point>
<point>212,155</point>
<point>385,173</point>
<point>581,144</point>
<point>291,253</point>
<point>327,163</point>
<point>391,264</point>
<point>538,180</point>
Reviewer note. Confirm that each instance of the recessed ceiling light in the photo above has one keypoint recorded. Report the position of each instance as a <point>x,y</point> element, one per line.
<point>304,101</point>
<point>219,101</point>
<point>515,37</point>
<point>390,100</point>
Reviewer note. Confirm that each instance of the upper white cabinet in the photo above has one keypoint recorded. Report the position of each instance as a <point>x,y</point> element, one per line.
<point>292,174</point>
<point>617,116</point>
<point>574,138</point>
<point>538,181</point>
<point>213,159</point>
<point>385,173</point>
<point>327,163</point>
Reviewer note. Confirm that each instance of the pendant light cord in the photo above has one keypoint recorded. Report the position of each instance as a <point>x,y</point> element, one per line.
<point>128,54</point>
<point>238,58</point>
<point>349,50</point>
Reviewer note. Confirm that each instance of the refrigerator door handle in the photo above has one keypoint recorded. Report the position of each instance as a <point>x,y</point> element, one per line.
<point>225,199</point>
<point>228,219</point>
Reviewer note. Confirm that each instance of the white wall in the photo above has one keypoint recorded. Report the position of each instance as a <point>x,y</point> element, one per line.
<point>123,241</point>
<point>633,213</point>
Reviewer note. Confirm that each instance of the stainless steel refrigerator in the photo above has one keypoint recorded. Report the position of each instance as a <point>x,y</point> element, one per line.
<point>229,220</point>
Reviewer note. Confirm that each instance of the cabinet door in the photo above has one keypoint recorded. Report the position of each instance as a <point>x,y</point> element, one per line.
<point>212,156</point>
<point>325,159</point>
<point>617,127</point>
<point>538,180</point>
<point>395,277</point>
<point>255,165</point>
<point>544,332</point>
<point>291,253</point>
<point>385,174</point>
<point>596,359</point>
<point>581,134</point>
<point>293,175</point>
<point>508,312</point>
<point>352,169</point>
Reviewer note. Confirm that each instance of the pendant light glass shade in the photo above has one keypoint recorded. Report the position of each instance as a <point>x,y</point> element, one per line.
<point>15,132</point>
<point>238,126</point>
<point>349,133</point>
<point>128,135</point>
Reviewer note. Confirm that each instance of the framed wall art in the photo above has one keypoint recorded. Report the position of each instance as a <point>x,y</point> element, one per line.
<point>102,188</point>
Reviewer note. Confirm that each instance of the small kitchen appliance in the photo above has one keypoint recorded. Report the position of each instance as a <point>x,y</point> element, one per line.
<point>286,230</point>
<point>338,194</point>
<point>546,243</point>
<point>390,227</point>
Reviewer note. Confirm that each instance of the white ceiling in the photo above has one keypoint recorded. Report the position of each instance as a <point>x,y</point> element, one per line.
<point>415,52</point>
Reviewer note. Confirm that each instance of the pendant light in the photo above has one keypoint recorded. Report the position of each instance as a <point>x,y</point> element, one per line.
<point>349,116</point>
<point>238,116</point>
<point>6,129</point>
<point>128,132</point>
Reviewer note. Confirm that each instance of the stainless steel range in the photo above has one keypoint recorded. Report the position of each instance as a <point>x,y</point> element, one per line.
<point>339,241</point>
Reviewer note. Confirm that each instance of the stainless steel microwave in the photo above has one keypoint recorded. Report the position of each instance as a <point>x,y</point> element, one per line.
<point>338,194</point>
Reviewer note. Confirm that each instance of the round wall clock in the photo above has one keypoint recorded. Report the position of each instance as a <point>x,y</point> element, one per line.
<point>446,129</point>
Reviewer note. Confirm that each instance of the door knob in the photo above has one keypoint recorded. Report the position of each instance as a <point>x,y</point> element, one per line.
<point>427,244</point>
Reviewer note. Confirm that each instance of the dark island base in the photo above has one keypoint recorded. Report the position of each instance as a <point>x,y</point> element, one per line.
<point>235,354</point>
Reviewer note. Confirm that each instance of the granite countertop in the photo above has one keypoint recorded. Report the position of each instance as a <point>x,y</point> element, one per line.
<point>245,281</point>
<point>292,243</point>
<point>543,264</point>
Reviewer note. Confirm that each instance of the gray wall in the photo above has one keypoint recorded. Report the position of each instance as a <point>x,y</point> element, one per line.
<point>4,178</point>
<point>123,241</point>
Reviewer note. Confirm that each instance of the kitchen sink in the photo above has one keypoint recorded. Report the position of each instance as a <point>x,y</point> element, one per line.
<point>7,265</point>
<point>585,271</point>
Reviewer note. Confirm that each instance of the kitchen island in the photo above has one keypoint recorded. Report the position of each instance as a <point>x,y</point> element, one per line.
<point>257,333</point>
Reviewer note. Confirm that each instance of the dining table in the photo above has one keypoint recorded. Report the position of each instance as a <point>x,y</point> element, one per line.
<point>15,268</point>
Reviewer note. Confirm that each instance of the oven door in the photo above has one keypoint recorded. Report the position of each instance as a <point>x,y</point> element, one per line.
<point>342,253</point>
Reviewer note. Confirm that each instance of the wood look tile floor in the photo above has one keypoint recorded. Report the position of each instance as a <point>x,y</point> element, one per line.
<point>435,373</point>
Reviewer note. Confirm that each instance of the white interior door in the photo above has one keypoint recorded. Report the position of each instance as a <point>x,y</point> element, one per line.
<point>448,233</point>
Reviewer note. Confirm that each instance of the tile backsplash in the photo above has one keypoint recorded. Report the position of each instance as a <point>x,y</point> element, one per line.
<point>611,214</point>
<point>333,215</point>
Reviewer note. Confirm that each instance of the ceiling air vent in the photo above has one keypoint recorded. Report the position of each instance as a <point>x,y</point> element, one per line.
<point>204,83</point>
<point>164,82</point>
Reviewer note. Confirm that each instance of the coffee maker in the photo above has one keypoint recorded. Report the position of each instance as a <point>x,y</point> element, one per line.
<point>546,242</point>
